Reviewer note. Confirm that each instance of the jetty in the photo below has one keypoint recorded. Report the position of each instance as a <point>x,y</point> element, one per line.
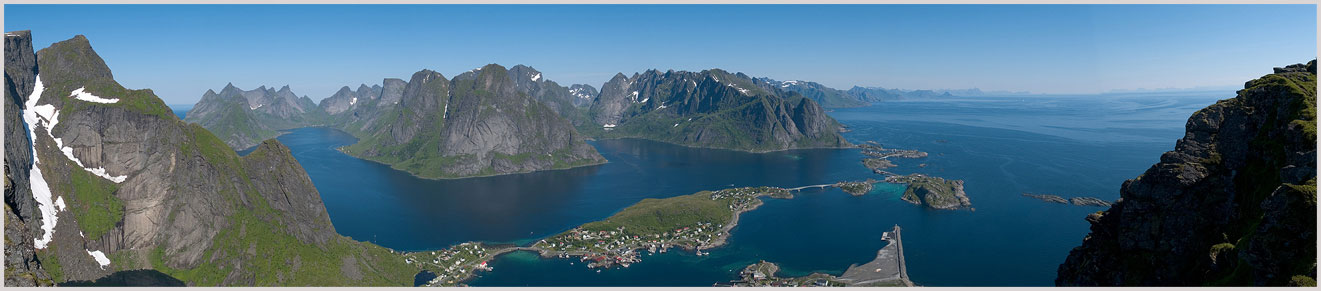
<point>888,269</point>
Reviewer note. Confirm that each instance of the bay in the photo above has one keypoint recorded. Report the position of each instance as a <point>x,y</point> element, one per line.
<point>1083,145</point>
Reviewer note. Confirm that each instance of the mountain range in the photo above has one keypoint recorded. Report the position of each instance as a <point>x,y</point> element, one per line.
<point>492,120</point>
<point>712,108</point>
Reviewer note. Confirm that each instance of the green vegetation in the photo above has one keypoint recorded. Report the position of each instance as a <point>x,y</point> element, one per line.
<point>51,262</point>
<point>275,258</point>
<point>236,123</point>
<point>94,204</point>
<point>654,216</point>
<point>1260,177</point>
<point>268,254</point>
<point>1302,281</point>
<point>140,101</point>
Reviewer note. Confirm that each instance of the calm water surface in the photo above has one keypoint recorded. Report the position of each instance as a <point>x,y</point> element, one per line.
<point>1001,147</point>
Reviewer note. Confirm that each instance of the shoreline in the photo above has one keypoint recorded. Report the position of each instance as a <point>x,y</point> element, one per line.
<point>850,146</point>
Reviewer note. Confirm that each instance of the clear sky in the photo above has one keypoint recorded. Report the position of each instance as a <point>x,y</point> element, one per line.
<point>180,51</point>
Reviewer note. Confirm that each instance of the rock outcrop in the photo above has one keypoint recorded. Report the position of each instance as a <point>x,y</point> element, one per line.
<point>1233,204</point>
<point>934,192</point>
<point>712,108</point>
<point>22,219</point>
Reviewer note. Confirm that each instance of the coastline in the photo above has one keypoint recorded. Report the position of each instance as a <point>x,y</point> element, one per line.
<point>392,166</point>
<point>849,146</point>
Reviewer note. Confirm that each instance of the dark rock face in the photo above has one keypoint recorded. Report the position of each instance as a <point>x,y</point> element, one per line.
<point>712,108</point>
<point>339,102</point>
<point>583,94</point>
<point>346,99</point>
<point>615,96</point>
<point>392,90</point>
<point>22,267</point>
<point>559,99</point>
<point>483,122</point>
<point>1233,204</point>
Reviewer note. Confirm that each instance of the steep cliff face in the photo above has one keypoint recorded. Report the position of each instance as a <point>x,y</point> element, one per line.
<point>583,94</point>
<point>479,124</point>
<point>124,184</point>
<point>1233,204</point>
<point>712,108</point>
<point>22,218</point>
<point>346,99</point>
<point>559,99</point>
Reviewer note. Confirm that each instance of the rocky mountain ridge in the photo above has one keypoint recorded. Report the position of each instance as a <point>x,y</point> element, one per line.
<point>712,108</point>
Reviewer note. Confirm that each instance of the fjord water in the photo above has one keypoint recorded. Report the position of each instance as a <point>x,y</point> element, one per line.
<point>1001,147</point>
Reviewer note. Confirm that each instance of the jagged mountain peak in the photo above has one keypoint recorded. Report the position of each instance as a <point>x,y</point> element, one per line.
<point>74,59</point>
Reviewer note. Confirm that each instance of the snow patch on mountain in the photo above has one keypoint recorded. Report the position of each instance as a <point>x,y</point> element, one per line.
<point>84,96</point>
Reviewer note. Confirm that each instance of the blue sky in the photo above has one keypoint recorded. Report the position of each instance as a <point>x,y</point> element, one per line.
<point>180,51</point>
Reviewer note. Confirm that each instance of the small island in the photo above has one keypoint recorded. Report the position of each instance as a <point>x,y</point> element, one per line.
<point>878,157</point>
<point>1079,201</point>
<point>934,192</point>
<point>1048,198</point>
<point>856,188</point>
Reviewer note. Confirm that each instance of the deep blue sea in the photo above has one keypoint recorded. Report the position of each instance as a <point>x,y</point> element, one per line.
<point>1000,146</point>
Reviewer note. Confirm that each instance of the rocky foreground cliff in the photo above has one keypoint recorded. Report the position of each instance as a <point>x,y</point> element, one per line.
<point>1234,204</point>
<point>116,182</point>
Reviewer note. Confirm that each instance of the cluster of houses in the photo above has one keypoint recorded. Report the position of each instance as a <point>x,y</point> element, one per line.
<point>452,265</point>
<point>743,198</point>
<point>603,249</point>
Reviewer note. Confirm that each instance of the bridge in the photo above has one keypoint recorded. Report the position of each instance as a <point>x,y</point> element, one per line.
<point>810,186</point>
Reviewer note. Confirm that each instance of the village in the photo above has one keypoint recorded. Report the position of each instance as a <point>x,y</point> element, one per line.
<point>454,265</point>
<point>623,244</point>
